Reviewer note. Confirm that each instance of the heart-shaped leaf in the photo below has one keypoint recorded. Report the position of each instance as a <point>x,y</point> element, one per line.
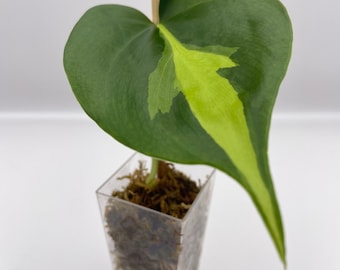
<point>197,88</point>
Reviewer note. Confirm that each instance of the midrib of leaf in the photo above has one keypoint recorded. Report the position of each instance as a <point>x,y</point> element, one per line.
<point>220,112</point>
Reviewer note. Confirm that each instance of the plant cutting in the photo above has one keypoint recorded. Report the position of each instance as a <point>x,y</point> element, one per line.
<point>195,85</point>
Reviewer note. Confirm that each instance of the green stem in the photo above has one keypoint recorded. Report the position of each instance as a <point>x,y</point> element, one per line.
<point>151,180</point>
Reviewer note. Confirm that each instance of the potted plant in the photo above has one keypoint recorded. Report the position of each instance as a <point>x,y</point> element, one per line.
<point>196,85</point>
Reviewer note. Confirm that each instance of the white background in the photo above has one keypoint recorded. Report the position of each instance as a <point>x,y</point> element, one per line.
<point>52,158</point>
<point>33,34</point>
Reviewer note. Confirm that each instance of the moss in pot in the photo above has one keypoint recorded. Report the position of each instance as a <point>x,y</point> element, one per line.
<point>196,85</point>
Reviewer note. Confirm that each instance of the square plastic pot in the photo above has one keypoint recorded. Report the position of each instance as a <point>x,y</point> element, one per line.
<point>145,239</point>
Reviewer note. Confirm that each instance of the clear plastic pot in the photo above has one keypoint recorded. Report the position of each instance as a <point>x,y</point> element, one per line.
<point>145,239</point>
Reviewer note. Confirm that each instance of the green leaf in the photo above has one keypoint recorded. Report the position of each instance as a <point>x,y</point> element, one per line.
<point>162,87</point>
<point>218,109</point>
<point>198,88</point>
<point>163,84</point>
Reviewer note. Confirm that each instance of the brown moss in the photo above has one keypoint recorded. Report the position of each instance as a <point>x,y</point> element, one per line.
<point>173,195</point>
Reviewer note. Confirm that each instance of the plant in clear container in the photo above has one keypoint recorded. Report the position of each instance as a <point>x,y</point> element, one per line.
<point>195,85</point>
<point>142,238</point>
